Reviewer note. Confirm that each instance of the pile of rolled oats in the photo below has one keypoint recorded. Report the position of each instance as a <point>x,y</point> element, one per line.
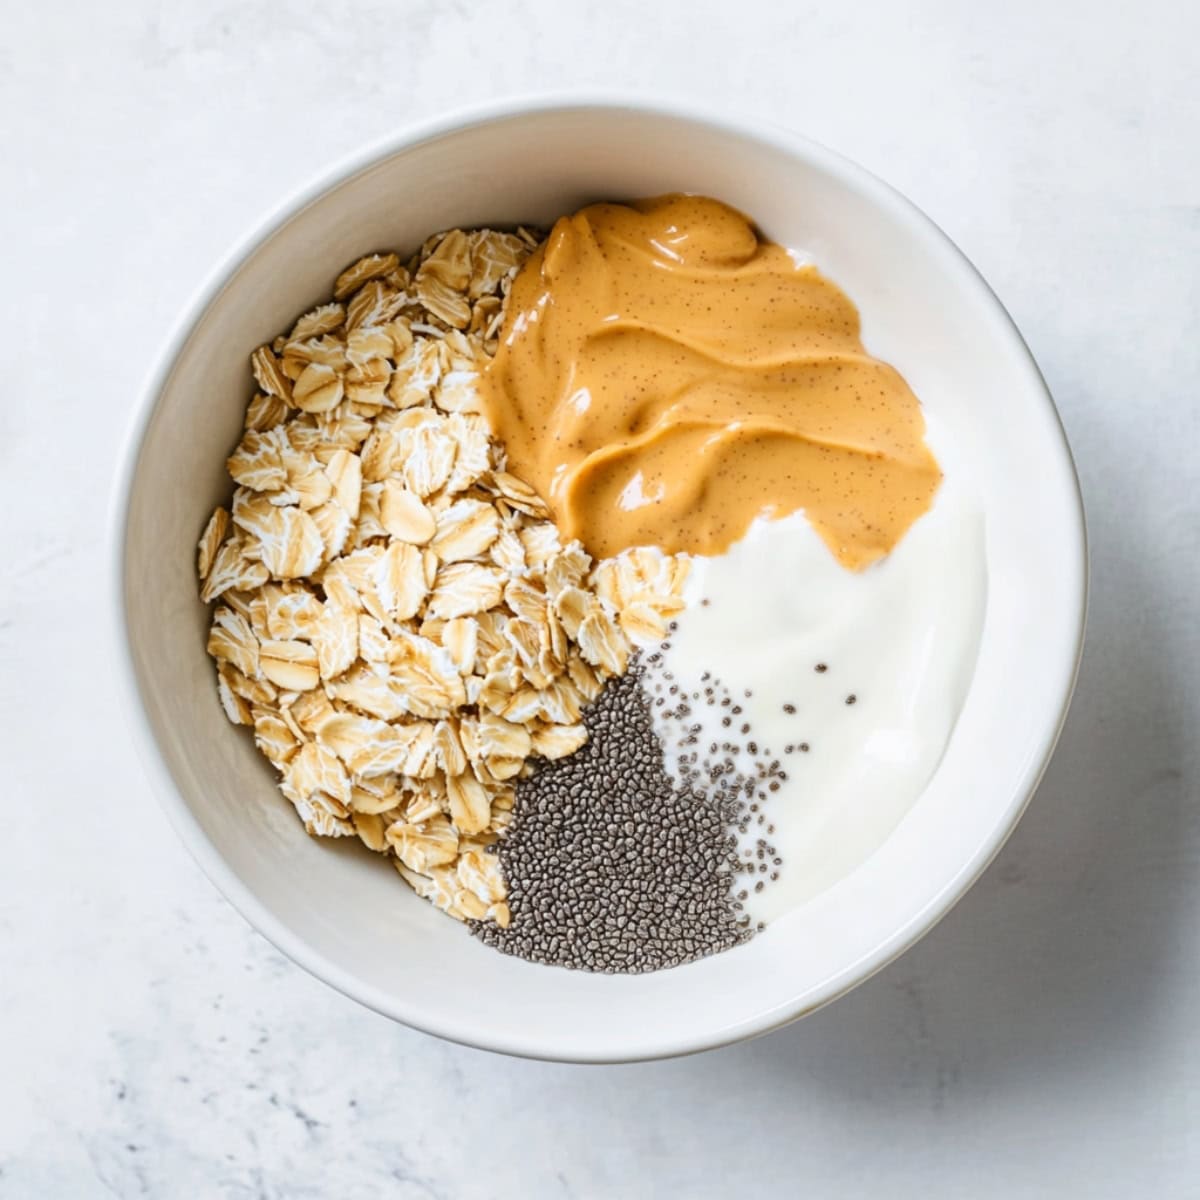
<point>396,617</point>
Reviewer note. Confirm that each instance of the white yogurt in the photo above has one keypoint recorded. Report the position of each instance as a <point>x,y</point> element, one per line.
<point>901,637</point>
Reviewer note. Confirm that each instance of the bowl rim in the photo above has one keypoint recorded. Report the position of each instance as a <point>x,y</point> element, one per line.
<point>205,854</point>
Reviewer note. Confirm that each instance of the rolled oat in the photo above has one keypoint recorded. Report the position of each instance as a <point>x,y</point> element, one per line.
<point>396,617</point>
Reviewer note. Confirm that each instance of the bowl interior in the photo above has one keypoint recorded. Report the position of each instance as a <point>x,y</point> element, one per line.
<point>341,911</point>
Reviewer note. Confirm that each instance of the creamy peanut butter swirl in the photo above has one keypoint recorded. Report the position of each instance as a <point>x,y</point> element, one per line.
<point>666,375</point>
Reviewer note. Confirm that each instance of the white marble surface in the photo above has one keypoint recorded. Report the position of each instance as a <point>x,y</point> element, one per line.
<point>1041,1042</point>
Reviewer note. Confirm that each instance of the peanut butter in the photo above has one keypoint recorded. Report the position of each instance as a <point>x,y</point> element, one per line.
<point>665,376</point>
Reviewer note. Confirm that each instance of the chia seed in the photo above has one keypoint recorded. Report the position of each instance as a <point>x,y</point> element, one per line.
<point>612,901</point>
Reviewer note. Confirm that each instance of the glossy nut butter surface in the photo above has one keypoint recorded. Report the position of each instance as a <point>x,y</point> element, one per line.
<point>666,375</point>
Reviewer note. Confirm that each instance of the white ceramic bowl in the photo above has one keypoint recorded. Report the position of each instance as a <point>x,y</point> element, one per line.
<point>342,913</point>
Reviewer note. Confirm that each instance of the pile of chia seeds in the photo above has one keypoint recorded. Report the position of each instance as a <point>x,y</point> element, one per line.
<point>641,850</point>
<point>612,864</point>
